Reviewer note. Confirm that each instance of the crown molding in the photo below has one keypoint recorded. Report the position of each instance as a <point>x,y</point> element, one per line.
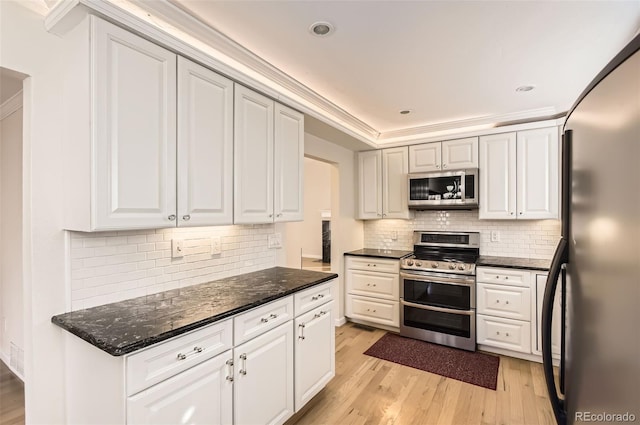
<point>11,105</point>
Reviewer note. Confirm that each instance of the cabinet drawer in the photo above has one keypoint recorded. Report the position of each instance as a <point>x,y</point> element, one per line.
<point>373,264</point>
<point>261,319</point>
<point>509,334</point>
<point>161,361</point>
<point>513,302</point>
<point>374,310</point>
<point>313,297</point>
<point>503,276</point>
<point>379,285</point>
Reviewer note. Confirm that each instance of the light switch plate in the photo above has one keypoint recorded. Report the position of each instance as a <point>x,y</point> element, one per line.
<point>275,240</point>
<point>216,248</point>
<point>495,236</point>
<point>177,248</point>
<point>394,235</point>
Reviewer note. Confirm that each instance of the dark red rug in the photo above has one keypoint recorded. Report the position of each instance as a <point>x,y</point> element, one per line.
<point>472,367</point>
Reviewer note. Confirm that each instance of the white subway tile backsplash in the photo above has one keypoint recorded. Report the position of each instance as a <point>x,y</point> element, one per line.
<point>113,266</point>
<point>518,238</point>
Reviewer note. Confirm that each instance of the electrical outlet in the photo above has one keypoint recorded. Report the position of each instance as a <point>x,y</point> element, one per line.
<point>177,248</point>
<point>216,245</point>
<point>275,240</point>
<point>394,235</point>
<point>495,236</point>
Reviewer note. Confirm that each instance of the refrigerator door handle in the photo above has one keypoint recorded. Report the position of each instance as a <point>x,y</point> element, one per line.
<point>560,257</point>
<point>563,326</point>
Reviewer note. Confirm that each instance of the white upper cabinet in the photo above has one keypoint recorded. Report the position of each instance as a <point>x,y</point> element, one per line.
<point>448,155</point>
<point>497,176</point>
<point>205,146</point>
<point>538,174</point>
<point>394,183</point>
<point>253,157</point>
<point>519,175</point>
<point>382,178</point>
<point>289,164</point>
<point>370,185</point>
<point>460,154</point>
<point>268,160</point>
<point>426,157</point>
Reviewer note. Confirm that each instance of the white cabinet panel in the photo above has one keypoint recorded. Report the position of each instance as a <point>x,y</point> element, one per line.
<point>263,385</point>
<point>134,155</point>
<point>370,184</point>
<point>314,353</point>
<point>205,146</point>
<point>289,164</point>
<point>373,284</point>
<point>509,334</point>
<point>259,320</point>
<point>460,153</point>
<point>200,395</point>
<point>253,157</point>
<point>506,301</point>
<point>497,176</point>
<point>313,297</point>
<point>538,174</point>
<point>425,157</point>
<point>556,320</point>
<point>372,264</point>
<point>394,183</point>
<point>373,310</point>
<point>503,276</point>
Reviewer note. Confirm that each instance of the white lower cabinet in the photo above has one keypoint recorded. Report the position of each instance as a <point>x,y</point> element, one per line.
<point>200,395</point>
<point>556,322</point>
<point>263,384</point>
<point>314,353</point>
<point>509,334</point>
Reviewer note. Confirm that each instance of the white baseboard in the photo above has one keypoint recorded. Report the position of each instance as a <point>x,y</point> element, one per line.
<point>341,321</point>
<point>5,359</point>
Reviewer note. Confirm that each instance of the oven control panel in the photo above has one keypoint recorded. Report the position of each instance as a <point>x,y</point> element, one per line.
<point>413,263</point>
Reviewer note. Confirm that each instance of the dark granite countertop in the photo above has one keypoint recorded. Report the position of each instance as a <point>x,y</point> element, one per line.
<point>130,325</point>
<point>514,262</point>
<point>380,253</point>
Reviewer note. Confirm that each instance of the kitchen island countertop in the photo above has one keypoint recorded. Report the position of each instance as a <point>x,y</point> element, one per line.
<point>126,326</point>
<point>514,263</point>
<point>392,254</point>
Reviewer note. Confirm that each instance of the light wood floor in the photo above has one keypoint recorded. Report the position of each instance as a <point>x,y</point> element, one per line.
<point>314,264</point>
<point>367,390</point>
<point>11,398</point>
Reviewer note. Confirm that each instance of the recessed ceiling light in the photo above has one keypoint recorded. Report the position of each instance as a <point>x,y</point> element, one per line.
<point>321,28</point>
<point>525,88</point>
<point>405,112</point>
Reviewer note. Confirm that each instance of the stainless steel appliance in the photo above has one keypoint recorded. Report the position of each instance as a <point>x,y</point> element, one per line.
<point>438,289</point>
<point>444,190</point>
<point>598,256</point>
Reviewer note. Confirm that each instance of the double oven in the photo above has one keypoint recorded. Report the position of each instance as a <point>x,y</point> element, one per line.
<point>438,289</point>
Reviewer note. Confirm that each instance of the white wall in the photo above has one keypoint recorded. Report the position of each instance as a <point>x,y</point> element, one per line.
<point>518,238</point>
<point>44,241</point>
<point>346,231</point>
<point>11,287</point>
<point>317,198</point>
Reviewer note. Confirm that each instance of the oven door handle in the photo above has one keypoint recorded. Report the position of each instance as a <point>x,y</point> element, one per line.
<point>448,281</point>
<point>440,309</point>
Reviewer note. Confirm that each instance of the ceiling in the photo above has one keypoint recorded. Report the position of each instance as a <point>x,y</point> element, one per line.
<point>452,63</point>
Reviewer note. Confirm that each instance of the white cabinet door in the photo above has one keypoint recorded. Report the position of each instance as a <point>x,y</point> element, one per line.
<point>538,174</point>
<point>459,154</point>
<point>425,157</point>
<point>370,185</point>
<point>315,353</point>
<point>263,385</point>
<point>556,320</point>
<point>289,164</point>
<point>253,157</point>
<point>134,155</point>
<point>497,176</point>
<point>205,146</point>
<point>394,182</point>
<point>200,395</point>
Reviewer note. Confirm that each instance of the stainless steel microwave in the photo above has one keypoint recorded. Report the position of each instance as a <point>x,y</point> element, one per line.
<point>444,190</point>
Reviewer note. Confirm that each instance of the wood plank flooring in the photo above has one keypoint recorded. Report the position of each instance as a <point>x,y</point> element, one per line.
<point>11,398</point>
<point>367,390</point>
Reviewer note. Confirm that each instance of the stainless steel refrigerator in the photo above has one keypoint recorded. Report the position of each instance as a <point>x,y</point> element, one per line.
<point>597,262</point>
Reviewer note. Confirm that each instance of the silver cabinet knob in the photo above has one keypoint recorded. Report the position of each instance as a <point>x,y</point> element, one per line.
<point>172,217</point>
<point>437,166</point>
<point>520,212</point>
<point>186,217</point>
<point>279,215</point>
<point>444,165</point>
<point>511,213</point>
<point>270,215</point>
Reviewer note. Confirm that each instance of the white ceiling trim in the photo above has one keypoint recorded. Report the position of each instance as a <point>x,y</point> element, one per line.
<point>11,105</point>
<point>176,29</point>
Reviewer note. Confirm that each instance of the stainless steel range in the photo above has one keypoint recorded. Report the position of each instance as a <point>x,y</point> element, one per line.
<point>438,289</point>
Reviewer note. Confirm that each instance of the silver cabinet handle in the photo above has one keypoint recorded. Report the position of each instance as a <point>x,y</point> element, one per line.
<point>444,165</point>
<point>279,215</point>
<point>506,302</point>
<point>230,375</point>
<point>301,336</point>
<point>198,349</point>
<point>243,367</point>
<point>186,217</point>
<point>182,356</point>
<point>437,166</point>
<point>264,320</point>
<point>506,278</point>
<point>172,217</point>
<point>273,316</point>
<point>497,301</point>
